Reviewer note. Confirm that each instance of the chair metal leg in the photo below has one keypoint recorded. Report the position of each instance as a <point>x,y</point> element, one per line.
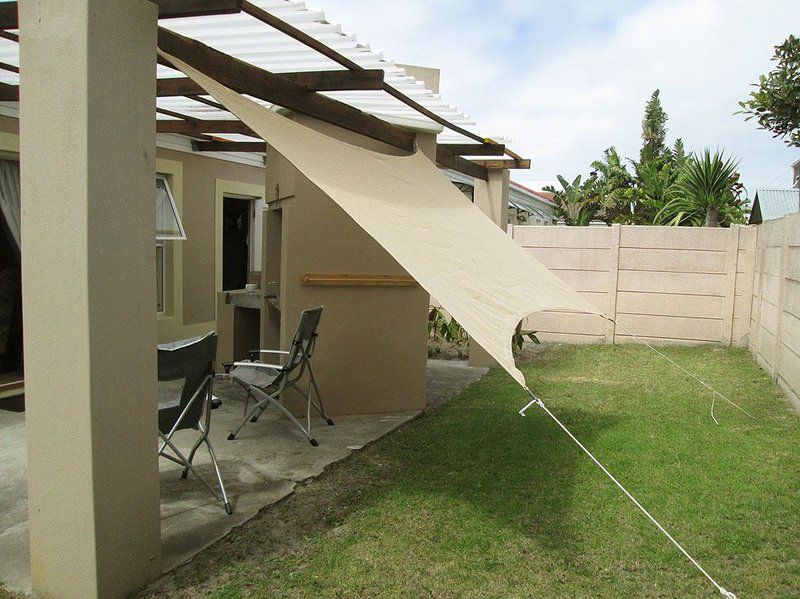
<point>320,409</point>
<point>212,453</point>
<point>187,464</point>
<point>262,405</point>
<point>197,444</point>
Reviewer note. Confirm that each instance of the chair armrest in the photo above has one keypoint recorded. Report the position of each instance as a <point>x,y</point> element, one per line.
<point>259,365</point>
<point>271,351</point>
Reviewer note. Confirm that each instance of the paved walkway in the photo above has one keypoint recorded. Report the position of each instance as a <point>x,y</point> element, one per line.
<point>263,465</point>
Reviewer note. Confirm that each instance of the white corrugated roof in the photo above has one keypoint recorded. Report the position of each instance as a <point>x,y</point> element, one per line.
<point>250,40</point>
<point>775,203</point>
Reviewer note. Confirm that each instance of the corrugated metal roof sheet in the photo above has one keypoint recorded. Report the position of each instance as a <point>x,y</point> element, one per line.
<point>775,203</point>
<point>250,40</point>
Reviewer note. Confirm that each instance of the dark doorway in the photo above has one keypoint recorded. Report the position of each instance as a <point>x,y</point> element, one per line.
<point>235,243</point>
<point>10,308</point>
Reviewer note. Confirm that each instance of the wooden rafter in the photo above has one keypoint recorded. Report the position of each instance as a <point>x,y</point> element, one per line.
<point>171,9</point>
<point>246,78</point>
<point>207,102</point>
<point>176,115</point>
<point>9,93</point>
<point>447,159</point>
<point>475,149</point>
<point>293,32</point>
<point>311,81</point>
<point>167,9</point>
<point>203,126</point>
<point>523,163</point>
<point>229,146</point>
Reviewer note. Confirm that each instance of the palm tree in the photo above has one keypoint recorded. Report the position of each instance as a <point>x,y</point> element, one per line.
<point>707,192</point>
<point>575,202</point>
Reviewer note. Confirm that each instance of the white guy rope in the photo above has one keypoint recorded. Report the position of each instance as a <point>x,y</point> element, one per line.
<point>536,401</point>
<point>682,369</point>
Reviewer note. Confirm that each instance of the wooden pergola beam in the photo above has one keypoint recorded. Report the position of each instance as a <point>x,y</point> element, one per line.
<point>245,78</point>
<point>203,126</point>
<point>311,81</point>
<point>229,146</point>
<point>9,93</point>
<point>492,165</point>
<point>293,32</point>
<point>446,159</point>
<point>172,9</point>
<point>167,9</point>
<point>302,37</point>
<point>484,149</point>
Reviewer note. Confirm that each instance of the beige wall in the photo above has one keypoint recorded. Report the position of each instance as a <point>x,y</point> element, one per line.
<point>372,350</point>
<point>775,320</point>
<point>200,178</point>
<point>665,284</point>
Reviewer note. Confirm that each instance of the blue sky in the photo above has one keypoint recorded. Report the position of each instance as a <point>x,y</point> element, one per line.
<point>565,80</point>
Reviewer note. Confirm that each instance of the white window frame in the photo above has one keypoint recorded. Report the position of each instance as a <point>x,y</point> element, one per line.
<point>161,265</point>
<point>182,235</point>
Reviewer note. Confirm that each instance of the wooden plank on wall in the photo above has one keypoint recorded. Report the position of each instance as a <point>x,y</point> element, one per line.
<point>348,280</point>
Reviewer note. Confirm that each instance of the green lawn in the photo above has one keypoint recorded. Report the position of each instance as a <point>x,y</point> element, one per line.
<point>472,500</point>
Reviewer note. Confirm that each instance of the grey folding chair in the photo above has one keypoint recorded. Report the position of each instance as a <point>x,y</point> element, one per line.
<point>266,383</point>
<point>185,385</point>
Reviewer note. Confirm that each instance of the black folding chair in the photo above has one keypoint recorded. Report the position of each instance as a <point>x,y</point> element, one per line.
<point>185,384</point>
<point>266,383</point>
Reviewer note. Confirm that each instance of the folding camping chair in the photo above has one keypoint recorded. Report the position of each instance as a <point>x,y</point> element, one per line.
<point>267,383</point>
<point>185,384</point>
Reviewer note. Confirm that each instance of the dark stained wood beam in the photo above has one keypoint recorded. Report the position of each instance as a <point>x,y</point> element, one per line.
<point>331,81</point>
<point>302,37</point>
<point>245,78</point>
<point>429,113</point>
<point>523,163</point>
<point>447,159</point>
<point>176,115</point>
<point>293,32</point>
<point>207,102</point>
<point>203,126</point>
<point>9,36</point>
<point>167,9</point>
<point>475,149</point>
<point>229,146</point>
<point>9,93</point>
<point>171,9</point>
<point>8,16</point>
<point>9,67</point>
<point>312,81</point>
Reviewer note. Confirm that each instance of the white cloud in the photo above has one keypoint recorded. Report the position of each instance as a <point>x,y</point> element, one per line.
<point>566,81</point>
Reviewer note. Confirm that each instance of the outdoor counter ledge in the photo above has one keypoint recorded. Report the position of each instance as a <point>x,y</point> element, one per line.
<point>242,298</point>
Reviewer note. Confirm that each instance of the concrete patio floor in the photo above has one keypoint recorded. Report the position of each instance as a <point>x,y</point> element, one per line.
<point>263,465</point>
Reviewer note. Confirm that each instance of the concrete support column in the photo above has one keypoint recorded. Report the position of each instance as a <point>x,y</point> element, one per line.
<point>491,197</point>
<point>88,263</point>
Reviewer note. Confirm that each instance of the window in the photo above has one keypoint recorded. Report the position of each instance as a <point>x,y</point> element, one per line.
<point>168,221</point>
<point>160,268</point>
<point>168,228</point>
<point>467,189</point>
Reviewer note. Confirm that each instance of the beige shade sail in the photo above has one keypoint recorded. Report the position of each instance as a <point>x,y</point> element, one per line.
<point>481,276</point>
